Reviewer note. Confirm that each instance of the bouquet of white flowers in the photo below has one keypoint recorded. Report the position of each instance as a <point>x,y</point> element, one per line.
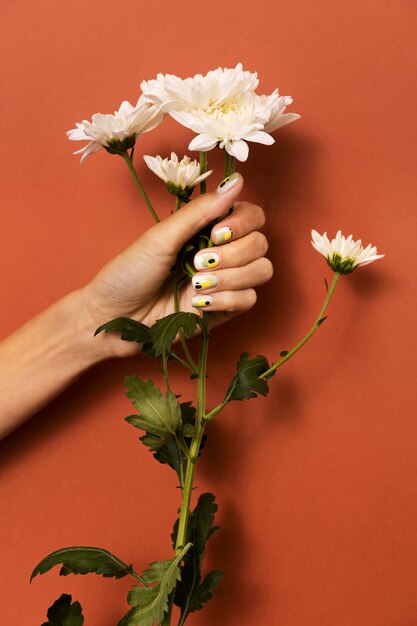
<point>225,112</point>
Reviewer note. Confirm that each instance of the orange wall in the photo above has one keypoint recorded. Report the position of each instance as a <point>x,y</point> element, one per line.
<point>317,484</point>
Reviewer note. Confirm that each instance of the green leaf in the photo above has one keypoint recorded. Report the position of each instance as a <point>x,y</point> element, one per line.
<point>168,452</point>
<point>131,329</point>
<point>151,603</point>
<point>246,382</point>
<point>284,353</point>
<point>63,613</point>
<point>320,322</point>
<point>191,593</point>
<point>204,592</point>
<point>83,560</point>
<point>167,328</point>
<point>157,415</point>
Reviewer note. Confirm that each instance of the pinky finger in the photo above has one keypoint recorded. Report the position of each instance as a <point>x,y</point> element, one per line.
<point>226,301</point>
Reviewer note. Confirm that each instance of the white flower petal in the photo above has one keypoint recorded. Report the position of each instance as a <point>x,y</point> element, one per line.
<point>343,253</point>
<point>203,143</point>
<point>238,149</point>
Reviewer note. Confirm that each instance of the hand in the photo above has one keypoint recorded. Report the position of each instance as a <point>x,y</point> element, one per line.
<point>138,283</point>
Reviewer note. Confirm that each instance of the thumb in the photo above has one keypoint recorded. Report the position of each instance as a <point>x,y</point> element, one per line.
<point>171,234</point>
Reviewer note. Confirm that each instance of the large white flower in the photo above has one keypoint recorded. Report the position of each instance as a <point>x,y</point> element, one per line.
<point>216,88</point>
<point>344,254</point>
<point>229,127</point>
<point>222,108</point>
<point>116,133</point>
<point>180,177</point>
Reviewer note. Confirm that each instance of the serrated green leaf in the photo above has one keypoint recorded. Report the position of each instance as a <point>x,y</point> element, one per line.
<point>190,593</point>
<point>63,613</point>
<point>166,450</point>
<point>167,328</point>
<point>158,415</point>
<point>246,382</point>
<point>151,603</point>
<point>83,560</point>
<point>203,593</point>
<point>131,329</point>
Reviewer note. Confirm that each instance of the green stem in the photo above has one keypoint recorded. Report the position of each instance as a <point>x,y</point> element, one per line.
<point>184,363</point>
<point>183,341</point>
<point>203,170</point>
<point>195,445</point>
<point>310,333</point>
<point>139,185</point>
<point>229,164</point>
<point>177,203</point>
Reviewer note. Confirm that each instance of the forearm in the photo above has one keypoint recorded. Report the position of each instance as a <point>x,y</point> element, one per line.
<point>44,356</point>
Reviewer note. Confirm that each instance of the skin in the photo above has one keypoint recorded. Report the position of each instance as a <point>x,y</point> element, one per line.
<point>57,346</point>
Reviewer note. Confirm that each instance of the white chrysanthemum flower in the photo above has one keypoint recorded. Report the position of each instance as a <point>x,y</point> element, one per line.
<point>222,108</point>
<point>229,127</point>
<point>216,88</point>
<point>274,107</point>
<point>180,177</point>
<point>343,254</point>
<point>116,133</point>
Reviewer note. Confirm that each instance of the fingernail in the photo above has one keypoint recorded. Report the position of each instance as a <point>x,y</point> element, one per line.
<point>204,281</point>
<point>205,260</point>
<point>228,183</point>
<point>199,302</point>
<point>221,235</point>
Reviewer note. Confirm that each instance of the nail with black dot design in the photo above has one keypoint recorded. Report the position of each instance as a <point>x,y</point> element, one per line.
<point>206,259</point>
<point>201,301</point>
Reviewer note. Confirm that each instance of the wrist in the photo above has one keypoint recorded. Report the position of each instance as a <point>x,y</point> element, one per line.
<point>86,319</point>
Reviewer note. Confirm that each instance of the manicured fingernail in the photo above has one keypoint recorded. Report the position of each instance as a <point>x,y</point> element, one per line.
<point>205,260</point>
<point>204,281</point>
<point>201,301</point>
<point>221,235</point>
<point>228,183</point>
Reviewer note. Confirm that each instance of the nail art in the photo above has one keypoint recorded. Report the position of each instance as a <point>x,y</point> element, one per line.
<point>201,301</point>
<point>221,235</point>
<point>228,183</point>
<point>205,260</point>
<point>204,281</point>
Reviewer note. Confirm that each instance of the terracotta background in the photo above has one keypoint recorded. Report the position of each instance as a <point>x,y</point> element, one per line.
<point>317,484</point>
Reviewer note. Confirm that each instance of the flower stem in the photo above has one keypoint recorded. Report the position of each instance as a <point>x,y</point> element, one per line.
<point>177,203</point>
<point>229,164</point>
<point>310,333</point>
<point>195,444</point>
<point>183,341</point>
<point>203,170</point>
<point>139,185</point>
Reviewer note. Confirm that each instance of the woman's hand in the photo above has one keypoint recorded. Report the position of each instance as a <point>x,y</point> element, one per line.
<point>138,282</point>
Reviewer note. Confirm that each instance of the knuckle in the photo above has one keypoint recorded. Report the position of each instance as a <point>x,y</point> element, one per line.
<point>251,298</point>
<point>267,269</point>
<point>259,215</point>
<point>261,243</point>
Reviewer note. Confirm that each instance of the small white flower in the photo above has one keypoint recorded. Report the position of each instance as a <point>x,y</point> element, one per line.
<point>116,133</point>
<point>274,106</point>
<point>343,254</point>
<point>180,177</point>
